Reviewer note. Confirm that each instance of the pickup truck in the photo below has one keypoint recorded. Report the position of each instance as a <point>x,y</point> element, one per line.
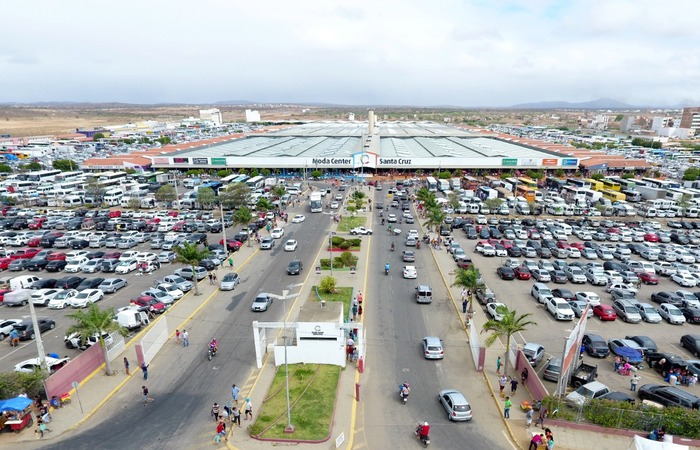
<point>360,230</point>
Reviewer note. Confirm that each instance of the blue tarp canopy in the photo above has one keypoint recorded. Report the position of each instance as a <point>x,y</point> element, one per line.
<point>633,354</point>
<point>14,404</point>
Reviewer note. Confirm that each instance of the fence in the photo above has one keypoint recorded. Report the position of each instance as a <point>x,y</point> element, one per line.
<point>153,340</point>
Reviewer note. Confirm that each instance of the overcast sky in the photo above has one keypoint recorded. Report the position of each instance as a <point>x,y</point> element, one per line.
<point>381,52</point>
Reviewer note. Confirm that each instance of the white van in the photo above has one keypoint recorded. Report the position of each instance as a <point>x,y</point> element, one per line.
<point>72,200</point>
<point>113,197</point>
<point>23,282</point>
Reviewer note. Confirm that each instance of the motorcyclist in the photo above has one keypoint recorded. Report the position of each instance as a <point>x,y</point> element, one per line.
<point>387,267</point>
<point>424,430</point>
<point>405,390</point>
<point>382,221</point>
<point>213,346</point>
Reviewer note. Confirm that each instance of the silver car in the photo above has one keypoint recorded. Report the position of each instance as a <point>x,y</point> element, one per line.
<point>456,405</point>
<point>432,348</point>
<point>112,285</point>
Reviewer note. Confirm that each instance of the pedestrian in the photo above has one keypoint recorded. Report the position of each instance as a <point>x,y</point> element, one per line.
<point>185,338</point>
<point>528,416</point>
<point>536,441</point>
<point>41,427</point>
<point>220,432</point>
<point>542,416</point>
<point>236,416</point>
<point>617,363</point>
<point>359,312</point>
<point>230,263</point>
<point>146,397</point>
<point>14,338</point>
<point>498,365</point>
<point>214,276</point>
<point>359,297</point>
<point>144,368</point>
<point>126,366</point>
<point>639,283</point>
<point>502,381</point>
<point>234,393</point>
<point>211,278</point>
<point>464,305</point>
<point>524,375</point>
<point>248,409</point>
<point>550,442</point>
<point>354,312</point>
<point>178,338</point>
<point>215,409</point>
<point>513,385</point>
<point>633,382</point>
<point>506,408</point>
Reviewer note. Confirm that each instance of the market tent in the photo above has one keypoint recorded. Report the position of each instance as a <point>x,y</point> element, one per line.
<point>14,404</point>
<point>641,443</point>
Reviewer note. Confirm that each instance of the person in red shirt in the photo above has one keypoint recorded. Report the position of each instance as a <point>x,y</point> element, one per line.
<point>424,431</point>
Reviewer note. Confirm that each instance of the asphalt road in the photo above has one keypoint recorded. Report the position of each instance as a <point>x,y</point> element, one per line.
<point>183,382</point>
<point>396,326</point>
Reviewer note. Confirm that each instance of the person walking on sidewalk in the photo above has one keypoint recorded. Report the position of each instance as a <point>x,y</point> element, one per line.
<point>146,397</point>
<point>359,312</point>
<point>502,381</point>
<point>354,312</point>
<point>211,278</point>
<point>234,393</point>
<point>359,297</point>
<point>144,369</point>
<point>633,382</point>
<point>230,263</point>
<point>185,338</point>
<point>506,408</point>
<point>528,416</point>
<point>215,411</point>
<point>513,385</point>
<point>236,416</point>
<point>542,417</point>
<point>248,409</point>
<point>498,365</point>
<point>126,366</point>
<point>178,337</point>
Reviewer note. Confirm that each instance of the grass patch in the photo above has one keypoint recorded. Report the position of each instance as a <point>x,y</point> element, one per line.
<point>312,395</point>
<point>347,223</point>
<point>343,294</point>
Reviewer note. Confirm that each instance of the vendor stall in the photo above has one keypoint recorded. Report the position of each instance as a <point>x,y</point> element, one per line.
<point>15,414</point>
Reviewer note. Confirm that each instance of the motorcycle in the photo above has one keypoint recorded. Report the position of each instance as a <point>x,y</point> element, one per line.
<point>386,271</point>
<point>211,353</point>
<point>404,398</point>
<point>425,440</point>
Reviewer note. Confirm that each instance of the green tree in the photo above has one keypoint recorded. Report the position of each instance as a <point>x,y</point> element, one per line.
<point>130,170</point>
<point>434,218</point>
<point>243,216</point>
<point>691,174</point>
<point>619,117</point>
<point>97,136</point>
<point>96,321</point>
<point>65,165</point>
<point>469,279</point>
<point>597,176</point>
<point>445,175</point>
<point>206,197</point>
<point>684,202</point>
<point>223,173</point>
<point>4,168</point>
<point>191,255</point>
<point>316,174</point>
<point>535,174</point>
<point>279,190</point>
<point>559,173</point>
<point>426,197</point>
<point>626,176</point>
<point>164,140</point>
<point>32,166</point>
<point>506,328</point>
<point>264,204</point>
<point>134,203</point>
<point>254,173</point>
<point>166,194</point>
<point>493,204</point>
<point>235,195</point>
<point>453,201</point>
<point>265,172</point>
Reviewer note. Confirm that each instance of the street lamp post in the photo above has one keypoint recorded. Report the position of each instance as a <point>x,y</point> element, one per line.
<point>223,227</point>
<point>330,238</point>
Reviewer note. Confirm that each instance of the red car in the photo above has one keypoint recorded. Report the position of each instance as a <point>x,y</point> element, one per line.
<point>5,263</point>
<point>579,245</point>
<point>604,312</point>
<point>563,244</point>
<point>232,244</point>
<point>24,254</point>
<point>151,303</point>
<point>56,256</point>
<point>179,226</point>
<point>507,244</point>
<point>648,278</point>
<point>522,273</point>
<point>34,242</point>
<point>651,237</point>
<point>36,224</point>
<point>114,214</point>
<point>113,255</point>
<point>173,213</point>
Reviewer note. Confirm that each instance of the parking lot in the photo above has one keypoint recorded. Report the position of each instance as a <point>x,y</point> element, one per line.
<point>140,253</point>
<point>551,333</point>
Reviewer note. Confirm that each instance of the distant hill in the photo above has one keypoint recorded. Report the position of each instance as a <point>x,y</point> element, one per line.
<point>601,103</point>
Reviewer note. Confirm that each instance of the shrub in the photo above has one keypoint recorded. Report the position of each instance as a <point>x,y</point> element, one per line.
<point>354,242</point>
<point>337,240</point>
<point>327,285</point>
<point>326,263</point>
<point>338,262</point>
<point>344,245</point>
<point>348,259</point>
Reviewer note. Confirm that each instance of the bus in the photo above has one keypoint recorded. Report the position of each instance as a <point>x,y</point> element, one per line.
<point>106,184</point>
<point>610,185</point>
<point>614,196</point>
<point>256,182</point>
<point>240,179</point>
<point>42,176</point>
<point>485,193</point>
<point>119,177</point>
<point>316,202</point>
<point>555,183</point>
<point>213,185</point>
<point>529,182</point>
<point>68,176</point>
<point>470,183</point>
<point>573,195</point>
<point>229,179</point>
<point>595,184</point>
<point>526,192</point>
<point>578,183</point>
<point>504,193</point>
<point>661,184</point>
<point>632,195</point>
<point>626,183</point>
<point>431,184</point>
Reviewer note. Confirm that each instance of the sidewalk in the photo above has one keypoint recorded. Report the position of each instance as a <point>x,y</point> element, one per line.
<point>99,388</point>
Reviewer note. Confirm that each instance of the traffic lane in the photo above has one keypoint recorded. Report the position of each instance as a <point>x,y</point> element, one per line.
<point>517,294</point>
<point>191,382</point>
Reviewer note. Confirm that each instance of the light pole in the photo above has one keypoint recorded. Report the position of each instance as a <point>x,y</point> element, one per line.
<point>330,238</point>
<point>223,227</point>
<point>285,295</point>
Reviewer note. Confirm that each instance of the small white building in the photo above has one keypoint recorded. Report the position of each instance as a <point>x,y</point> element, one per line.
<point>252,116</point>
<point>211,115</point>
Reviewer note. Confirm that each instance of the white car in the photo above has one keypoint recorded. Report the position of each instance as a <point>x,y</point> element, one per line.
<point>91,265</point>
<point>574,252</point>
<point>167,257</point>
<point>334,205</point>
<point>32,365</point>
<point>560,309</point>
<point>62,299</point>
<point>613,276</point>
<point>74,265</point>
<point>76,254</point>
<point>127,256</point>
<point>541,275</point>
<point>145,256</point>
<point>172,290</point>
<point>290,245</point>
<point>496,310</point>
<point>126,266</point>
<point>684,279</point>
<point>620,285</point>
<point>410,272</point>
<point>488,250</point>
<point>87,296</point>
<point>277,233</point>
<point>588,297</point>
<point>6,327</point>
<point>671,313</point>
<point>43,296</point>
<point>299,218</point>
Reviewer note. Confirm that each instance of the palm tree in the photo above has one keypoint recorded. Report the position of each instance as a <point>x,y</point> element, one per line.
<point>243,216</point>
<point>435,218</point>
<point>264,204</point>
<point>96,321</point>
<point>507,327</point>
<point>469,279</point>
<point>192,255</point>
